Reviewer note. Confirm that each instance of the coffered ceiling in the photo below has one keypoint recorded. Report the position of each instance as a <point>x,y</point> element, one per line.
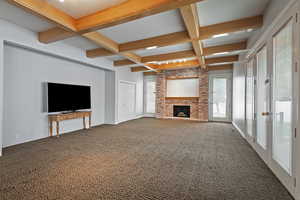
<point>130,31</point>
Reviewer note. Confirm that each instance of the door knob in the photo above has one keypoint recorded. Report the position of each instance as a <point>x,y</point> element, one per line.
<point>265,113</point>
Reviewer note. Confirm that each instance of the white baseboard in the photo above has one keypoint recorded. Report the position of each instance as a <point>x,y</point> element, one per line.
<point>133,118</point>
<point>239,130</point>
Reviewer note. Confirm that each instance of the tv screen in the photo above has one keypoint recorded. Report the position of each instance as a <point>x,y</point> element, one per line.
<point>65,97</point>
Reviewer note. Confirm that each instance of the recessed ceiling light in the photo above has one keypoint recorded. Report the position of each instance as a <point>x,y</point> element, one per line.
<point>61,0</point>
<point>153,47</point>
<point>221,35</point>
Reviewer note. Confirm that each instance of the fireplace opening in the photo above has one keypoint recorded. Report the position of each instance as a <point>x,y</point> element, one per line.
<point>181,111</point>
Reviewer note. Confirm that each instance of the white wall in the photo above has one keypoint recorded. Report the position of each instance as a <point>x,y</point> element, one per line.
<point>25,71</point>
<point>124,74</point>
<point>18,35</point>
<point>1,91</point>
<point>110,95</point>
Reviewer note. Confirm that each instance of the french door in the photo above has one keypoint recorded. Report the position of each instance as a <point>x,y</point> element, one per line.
<point>262,98</point>
<point>149,96</point>
<point>284,102</point>
<point>220,96</point>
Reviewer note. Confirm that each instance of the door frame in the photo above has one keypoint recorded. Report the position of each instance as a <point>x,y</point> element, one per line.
<point>119,100</point>
<point>220,74</point>
<point>146,79</point>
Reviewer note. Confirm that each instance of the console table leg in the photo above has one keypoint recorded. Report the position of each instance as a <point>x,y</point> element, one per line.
<point>50,128</point>
<point>84,125</point>
<point>57,128</point>
<point>90,121</point>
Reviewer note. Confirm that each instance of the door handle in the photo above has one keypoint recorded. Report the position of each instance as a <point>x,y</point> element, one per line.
<point>265,113</point>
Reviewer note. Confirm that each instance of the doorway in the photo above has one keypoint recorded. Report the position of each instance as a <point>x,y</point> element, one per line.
<point>220,96</point>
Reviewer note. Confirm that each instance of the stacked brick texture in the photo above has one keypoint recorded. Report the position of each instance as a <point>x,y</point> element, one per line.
<point>199,108</point>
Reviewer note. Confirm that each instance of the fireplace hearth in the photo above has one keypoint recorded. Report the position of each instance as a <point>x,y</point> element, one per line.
<point>181,111</point>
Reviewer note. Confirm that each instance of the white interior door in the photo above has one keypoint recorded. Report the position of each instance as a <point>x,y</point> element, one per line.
<point>262,98</point>
<point>127,101</point>
<point>250,98</point>
<point>220,96</point>
<point>283,97</point>
<point>150,96</point>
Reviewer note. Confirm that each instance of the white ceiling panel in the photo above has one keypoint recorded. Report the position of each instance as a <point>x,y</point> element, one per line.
<point>24,19</point>
<point>218,11</point>
<point>231,38</point>
<point>81,8</point>
<point>151,26</point>
<point>115,57</point>
<point>167,49</point>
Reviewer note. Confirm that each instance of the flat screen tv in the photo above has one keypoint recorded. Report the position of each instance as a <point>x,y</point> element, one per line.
<point>65,97</point>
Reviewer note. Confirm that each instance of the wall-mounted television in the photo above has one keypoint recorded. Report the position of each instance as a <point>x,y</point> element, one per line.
<point>66,97</point>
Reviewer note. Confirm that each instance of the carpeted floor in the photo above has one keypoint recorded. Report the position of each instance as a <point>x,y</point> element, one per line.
<point>145,159</point>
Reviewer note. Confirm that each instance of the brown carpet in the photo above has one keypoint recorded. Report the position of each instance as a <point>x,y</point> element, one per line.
<point>145,159</point>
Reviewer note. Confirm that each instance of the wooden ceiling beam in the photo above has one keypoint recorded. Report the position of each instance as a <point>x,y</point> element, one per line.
<point>220,67</point>
<point>225,59</point>
<point>183,37</point>
<point>195,63</point>
<point>190,17</point>
<point>187,64</point>
<point>159,41</point>
<point>225,48</point>
<point>127,11</point>
<point>230,27</point>
<point>99,52</point>
<point>122,13</point>
<point>139,69</point>
<point>150,73</point>
<point>45,10</point>
<point>157,58</point>
<point>186,54</point>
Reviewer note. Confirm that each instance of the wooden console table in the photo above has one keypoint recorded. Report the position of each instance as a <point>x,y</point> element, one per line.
<point>68,116</point>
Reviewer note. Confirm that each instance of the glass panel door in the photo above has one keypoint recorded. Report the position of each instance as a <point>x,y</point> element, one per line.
<point>150,96</point>
<point>283,97</point>
<point>262,98</point>
<point>220,97</point>
<point>250,98</point>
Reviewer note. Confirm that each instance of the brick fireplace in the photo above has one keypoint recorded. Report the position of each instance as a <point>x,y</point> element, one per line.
<point>198,106</point>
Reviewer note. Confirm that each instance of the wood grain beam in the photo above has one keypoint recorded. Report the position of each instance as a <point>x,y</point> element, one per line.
<point>230,27</point>
<point>190,17</point>
<point>99,52</point>
<point>159,41</point>
<point>187,54</point>
<point>112,46</point>
<point>45,10</point>
<point>124,12</point>
<point>150,73</point>
<point>55,34</point>
<point>127,11</point>
<point>187,64</point>
<point>225,48</point>
<point>160,57</point>
<point>139,69</point>
<point>169,56</point>
<point>220,67</point>
<point>222,59</point>
<point>183,37</point>
<point>195,63</point>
